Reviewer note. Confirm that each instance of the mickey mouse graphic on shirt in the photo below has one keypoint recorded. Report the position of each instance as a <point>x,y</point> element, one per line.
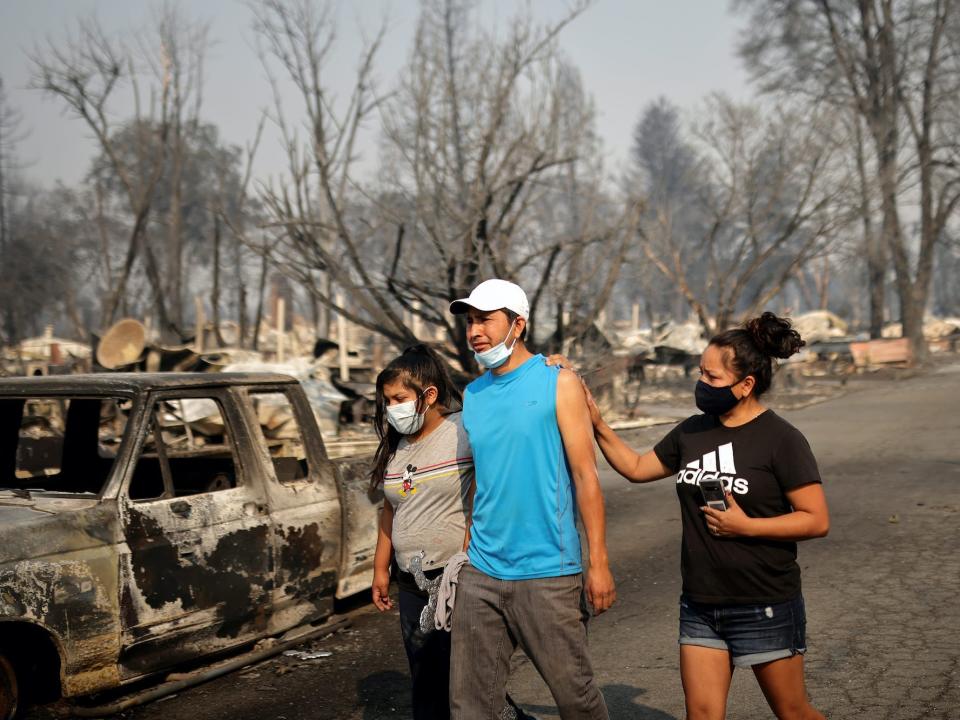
<point>406,487</point>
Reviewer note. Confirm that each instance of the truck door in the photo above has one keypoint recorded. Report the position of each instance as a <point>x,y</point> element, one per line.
<point>361,524</point>
<point>304,504</point>
<point>197,571</point>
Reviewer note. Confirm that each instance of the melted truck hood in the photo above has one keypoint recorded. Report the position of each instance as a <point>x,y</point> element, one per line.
<point>15,510</point>
<point>49,524</point>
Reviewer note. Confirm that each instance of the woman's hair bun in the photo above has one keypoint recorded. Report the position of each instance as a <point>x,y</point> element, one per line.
<point>774,336</point>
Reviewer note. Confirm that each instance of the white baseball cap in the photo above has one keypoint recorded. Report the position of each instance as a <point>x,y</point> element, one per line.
<point>493,295</point>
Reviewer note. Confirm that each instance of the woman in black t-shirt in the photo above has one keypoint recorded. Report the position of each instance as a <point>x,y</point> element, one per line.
<point>741,604</point>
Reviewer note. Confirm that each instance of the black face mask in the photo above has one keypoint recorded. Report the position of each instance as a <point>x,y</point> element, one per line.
<point>715,400</point>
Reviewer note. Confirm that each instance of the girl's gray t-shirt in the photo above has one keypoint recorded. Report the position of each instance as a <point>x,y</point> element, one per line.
<point>428,484</point>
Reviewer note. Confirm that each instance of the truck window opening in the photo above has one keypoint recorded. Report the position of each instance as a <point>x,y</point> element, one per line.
<point>187,451</point>
<point>60,444</point>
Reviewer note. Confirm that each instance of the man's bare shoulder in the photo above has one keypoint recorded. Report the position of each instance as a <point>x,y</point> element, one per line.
<point>568,385</point>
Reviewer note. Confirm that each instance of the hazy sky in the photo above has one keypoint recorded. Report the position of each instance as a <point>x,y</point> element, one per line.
<point>630,52</point>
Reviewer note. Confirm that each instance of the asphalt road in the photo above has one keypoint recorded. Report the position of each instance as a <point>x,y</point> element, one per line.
<point>881,590</point>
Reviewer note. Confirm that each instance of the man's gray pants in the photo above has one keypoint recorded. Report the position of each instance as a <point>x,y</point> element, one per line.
<point>547,618</point>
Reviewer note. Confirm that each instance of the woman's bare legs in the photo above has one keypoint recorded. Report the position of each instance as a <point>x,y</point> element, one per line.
<point>705,673</point>
<point>783,686</point>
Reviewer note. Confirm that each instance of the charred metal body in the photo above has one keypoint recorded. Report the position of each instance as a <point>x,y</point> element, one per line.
<point>150,519</point>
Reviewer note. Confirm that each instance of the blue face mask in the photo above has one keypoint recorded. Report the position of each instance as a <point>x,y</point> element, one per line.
<point>715,400</point>
<point>498,354</point>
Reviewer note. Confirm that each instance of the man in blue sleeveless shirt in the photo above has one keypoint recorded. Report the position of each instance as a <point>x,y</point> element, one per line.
<point>533,452</point>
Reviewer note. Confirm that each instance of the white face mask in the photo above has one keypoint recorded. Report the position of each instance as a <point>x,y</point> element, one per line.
<point>404,416</point>
<point>498,354</point>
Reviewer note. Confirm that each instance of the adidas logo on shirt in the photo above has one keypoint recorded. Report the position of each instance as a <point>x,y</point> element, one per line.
<point>707,468</point>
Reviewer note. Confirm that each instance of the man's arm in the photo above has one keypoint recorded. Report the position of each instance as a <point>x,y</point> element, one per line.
<point>576,430</point>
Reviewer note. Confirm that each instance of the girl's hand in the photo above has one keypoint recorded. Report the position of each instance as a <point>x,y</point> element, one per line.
<point>561,360</point>
<point>381,590</point>
<point>732,522</point>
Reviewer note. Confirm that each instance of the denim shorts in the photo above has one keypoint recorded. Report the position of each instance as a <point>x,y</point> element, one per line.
<point>752,634</point>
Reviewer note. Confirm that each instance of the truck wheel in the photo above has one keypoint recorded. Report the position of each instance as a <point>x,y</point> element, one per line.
<point>8,689</point>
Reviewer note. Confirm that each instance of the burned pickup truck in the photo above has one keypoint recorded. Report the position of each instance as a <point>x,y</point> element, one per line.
<point>147,520</point>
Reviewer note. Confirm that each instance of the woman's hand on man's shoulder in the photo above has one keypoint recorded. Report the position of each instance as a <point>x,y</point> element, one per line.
<point>560,361</point>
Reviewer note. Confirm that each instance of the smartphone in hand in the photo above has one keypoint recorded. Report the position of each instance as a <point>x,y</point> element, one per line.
<point>713,494</point>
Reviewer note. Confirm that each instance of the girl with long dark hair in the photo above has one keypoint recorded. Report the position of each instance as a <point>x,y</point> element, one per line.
<point>426,467</point>
<point>741,604</point>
